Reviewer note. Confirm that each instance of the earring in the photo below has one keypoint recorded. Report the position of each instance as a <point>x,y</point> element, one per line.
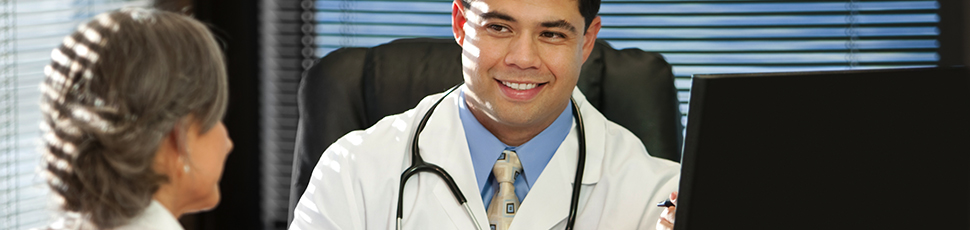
<point>185,168</point>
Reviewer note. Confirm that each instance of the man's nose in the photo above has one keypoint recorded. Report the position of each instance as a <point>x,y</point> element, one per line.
<point>523,53</point>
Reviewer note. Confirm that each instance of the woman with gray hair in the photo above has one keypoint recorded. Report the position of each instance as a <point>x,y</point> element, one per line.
<point>133,137</point>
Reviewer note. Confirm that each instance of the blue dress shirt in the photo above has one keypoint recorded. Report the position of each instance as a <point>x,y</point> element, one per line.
<point>535,154</point>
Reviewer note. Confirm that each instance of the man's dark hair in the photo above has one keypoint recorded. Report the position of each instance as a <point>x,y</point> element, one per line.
<point>587,8</point>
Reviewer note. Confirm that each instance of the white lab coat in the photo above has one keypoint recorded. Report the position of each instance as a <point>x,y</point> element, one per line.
<point>355,183</point>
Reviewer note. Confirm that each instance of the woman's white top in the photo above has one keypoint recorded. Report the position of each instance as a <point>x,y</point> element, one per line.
<point>154,217</point>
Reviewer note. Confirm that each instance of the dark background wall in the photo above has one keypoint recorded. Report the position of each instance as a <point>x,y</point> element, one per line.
<point>236,23</point>
<point>954,32</point>
<point>962,27</point>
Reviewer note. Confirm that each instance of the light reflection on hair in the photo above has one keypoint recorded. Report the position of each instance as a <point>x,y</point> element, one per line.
<point>106,22</point>
<point>91,35</point>
<point>60,58</point>
<point>67,105</point>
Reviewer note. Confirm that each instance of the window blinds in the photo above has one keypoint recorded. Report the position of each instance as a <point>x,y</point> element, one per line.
<point>286,39</point>
<point>701,36</point>
<point>29,30</point>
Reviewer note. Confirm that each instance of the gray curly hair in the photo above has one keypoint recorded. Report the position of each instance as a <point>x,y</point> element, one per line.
<point>114,89</point>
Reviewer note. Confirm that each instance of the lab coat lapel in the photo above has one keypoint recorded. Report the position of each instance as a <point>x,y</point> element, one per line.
<point>443,143</point>
<point>547,203</point>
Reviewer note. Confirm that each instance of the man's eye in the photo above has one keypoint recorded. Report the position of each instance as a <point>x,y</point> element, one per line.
<point>498,28</point>
<point>553,35</point>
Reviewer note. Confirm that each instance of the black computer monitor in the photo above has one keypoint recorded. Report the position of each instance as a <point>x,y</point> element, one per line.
<point>860,149</point>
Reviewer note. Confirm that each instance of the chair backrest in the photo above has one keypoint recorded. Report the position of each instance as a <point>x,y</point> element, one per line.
<point>353,88</point>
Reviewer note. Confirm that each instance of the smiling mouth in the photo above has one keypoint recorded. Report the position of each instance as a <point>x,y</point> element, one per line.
<point>521,86</point>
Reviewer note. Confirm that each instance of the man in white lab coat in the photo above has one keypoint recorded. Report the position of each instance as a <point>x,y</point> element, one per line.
<point>521,61</point>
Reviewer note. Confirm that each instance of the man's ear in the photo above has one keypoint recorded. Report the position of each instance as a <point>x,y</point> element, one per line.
<point>458,21</point>
<point>589,39</point>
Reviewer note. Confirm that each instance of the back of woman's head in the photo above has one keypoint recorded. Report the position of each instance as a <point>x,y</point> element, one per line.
<point>114,89</point>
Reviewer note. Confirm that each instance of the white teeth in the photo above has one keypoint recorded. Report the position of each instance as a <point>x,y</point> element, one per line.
<point>518,86</point>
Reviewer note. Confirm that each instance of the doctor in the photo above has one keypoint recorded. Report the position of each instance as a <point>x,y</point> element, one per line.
<point>508,138</point>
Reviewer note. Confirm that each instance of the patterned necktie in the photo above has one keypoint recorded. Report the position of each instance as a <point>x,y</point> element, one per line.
<point>504,204</point>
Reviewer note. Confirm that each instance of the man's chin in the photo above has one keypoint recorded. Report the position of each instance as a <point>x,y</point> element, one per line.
<point>524,118</point>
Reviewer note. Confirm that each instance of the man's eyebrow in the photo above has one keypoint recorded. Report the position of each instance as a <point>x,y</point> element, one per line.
<point>550,24</point>
<point>559,24</point>
<point>498,15</point>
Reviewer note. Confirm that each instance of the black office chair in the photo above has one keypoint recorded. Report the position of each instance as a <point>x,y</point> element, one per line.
<point>353,88</point>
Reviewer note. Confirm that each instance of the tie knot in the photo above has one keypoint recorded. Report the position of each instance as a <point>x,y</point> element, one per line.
<point>507,167</point>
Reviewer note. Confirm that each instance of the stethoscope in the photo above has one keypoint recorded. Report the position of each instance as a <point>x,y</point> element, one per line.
<point>418,165</point>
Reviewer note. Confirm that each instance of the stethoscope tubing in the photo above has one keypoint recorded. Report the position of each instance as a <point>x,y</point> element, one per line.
<point>580,166</point>
<point>419,165</point>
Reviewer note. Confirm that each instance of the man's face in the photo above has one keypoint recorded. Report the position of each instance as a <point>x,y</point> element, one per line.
<point>521,58</point>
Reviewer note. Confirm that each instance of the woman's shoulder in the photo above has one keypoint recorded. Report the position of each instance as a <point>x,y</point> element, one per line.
<point>68,221</point>
<point>153,217</point>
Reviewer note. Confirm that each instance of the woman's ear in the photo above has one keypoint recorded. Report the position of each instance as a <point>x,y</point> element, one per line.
<point>179,134</point>
<point>168,156</point>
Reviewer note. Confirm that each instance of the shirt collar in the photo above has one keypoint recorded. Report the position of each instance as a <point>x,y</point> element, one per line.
<point>155,216</point>
<point>535,154</point>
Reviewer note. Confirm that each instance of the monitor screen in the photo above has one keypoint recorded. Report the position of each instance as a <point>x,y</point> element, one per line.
<point>859,149</point>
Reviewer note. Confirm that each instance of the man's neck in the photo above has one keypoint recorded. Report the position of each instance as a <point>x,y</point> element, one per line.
<point>509,134</point>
